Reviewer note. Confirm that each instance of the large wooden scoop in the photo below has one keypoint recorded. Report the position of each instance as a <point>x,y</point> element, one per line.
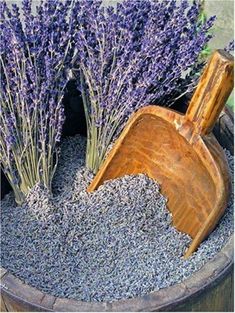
<point>180,152</point>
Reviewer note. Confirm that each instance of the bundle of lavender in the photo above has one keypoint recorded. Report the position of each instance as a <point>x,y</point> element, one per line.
<point>132,56</point>
<point>140,52</point>
<point>35,56</point>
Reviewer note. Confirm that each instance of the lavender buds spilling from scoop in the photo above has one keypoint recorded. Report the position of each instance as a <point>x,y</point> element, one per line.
<point>112,244</point>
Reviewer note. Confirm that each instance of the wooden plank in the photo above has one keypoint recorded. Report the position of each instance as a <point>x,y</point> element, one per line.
<point>19,296</point>
<point>2,305</point>
<point>224,129</point>
<point>220,298</point>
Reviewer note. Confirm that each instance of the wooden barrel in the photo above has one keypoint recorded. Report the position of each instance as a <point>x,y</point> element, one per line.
<point>209,289</point>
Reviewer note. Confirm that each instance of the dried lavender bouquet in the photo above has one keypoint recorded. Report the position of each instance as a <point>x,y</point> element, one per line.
<point>35,54</point>
<point>132,56</point>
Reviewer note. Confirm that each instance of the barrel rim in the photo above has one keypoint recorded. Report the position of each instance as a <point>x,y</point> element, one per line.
<point>163,299</point>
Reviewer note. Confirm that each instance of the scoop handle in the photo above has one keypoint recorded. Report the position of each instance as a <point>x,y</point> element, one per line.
<point>212,92</point>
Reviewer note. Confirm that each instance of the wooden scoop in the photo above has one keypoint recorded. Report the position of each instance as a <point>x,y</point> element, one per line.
<point>180,152</point>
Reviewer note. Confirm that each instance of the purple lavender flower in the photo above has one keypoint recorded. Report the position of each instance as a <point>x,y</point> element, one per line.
<point>132,56</point>
<point>35,55</point>
<point>230,46</point>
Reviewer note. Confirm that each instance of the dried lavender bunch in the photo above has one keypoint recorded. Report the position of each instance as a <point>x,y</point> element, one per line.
<point>133,56</point>
<point>35,55</point>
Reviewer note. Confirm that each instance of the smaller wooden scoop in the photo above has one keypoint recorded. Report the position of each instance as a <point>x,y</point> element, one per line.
<point>180,152</point>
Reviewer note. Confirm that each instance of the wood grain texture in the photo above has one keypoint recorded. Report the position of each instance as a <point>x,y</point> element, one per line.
<point>212,92</point>
<point>179,152</point>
